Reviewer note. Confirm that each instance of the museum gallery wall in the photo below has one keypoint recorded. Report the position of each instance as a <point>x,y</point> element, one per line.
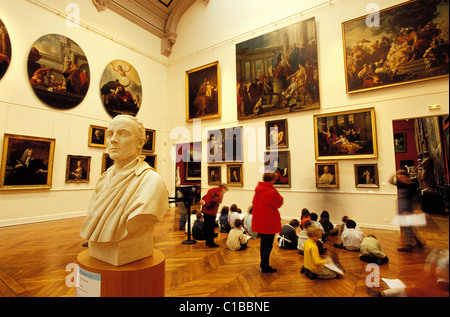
<point>208,38</point>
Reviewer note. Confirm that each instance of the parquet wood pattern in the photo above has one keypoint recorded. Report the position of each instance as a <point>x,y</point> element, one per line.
<point>33,260</point>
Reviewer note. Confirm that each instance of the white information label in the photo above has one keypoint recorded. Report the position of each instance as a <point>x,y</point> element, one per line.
<point>89,284</point>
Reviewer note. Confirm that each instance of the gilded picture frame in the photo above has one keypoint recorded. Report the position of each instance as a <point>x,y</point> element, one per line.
<point>327,175</point>
<point>345,135</point>
<point>277,134</point>
<point>78,169</point>
<point>214,175</point>
<point>235,175</point>
<point>398,45</point>
<point>27,162</point>
<point>149,146</point>
<point>366,176</point>
<point>203,92</point>
<point>97,136</point>
<point>279,162</point>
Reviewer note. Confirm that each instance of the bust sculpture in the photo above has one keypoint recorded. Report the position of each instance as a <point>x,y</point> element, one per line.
<point>129,199</point>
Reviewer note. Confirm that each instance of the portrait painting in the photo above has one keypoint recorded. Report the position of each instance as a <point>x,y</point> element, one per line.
<point>277,134</point>
<point>149,146</point>
<point>279,162</point>
<point>58,71</point>
<point>97,136</point>
<point>277,72</point>
<point>214,175</point>
<point>27,162</point>
<point>398,45</point>
<point>366,175</point>
<point>225,145</point>
<point>235,176</point>
<point>121,89</point>
<point>345,135</point>
<point>400,142</point>
<point>78,169</point>
<point>5,49</point>
<point>203,92</point>
<point>327,175</point>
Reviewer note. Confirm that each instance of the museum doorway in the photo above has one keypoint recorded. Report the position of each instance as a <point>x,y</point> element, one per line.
<point>421,147</point>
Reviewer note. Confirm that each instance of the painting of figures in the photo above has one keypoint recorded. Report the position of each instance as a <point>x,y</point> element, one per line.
<point>5,49</point>
<point>120,89</point>
<point>402,44</point>
<point>58,71</point>
<point>277,72</point>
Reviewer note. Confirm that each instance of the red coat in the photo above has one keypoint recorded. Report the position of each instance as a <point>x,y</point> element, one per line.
<point>266,201</point>
<point>213,199</point>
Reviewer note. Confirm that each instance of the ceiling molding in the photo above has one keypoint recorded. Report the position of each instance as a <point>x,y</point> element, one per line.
<point>155,16</point>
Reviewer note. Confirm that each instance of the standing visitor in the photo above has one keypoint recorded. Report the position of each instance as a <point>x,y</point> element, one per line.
<point>266,217</point>
<point>210,205</point>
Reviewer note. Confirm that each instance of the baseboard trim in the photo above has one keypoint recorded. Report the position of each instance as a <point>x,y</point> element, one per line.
<point>28,220</point>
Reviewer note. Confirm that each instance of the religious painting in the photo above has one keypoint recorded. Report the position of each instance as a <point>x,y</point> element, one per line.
<point>345,135</point>
<point>27,162</point>
<point>327,175</point>
<point>203,92</point>
<point>225,145</point>
<point>214,175</point>
<point>78,169</point>
<point>5,49</point>
<point>398,45</point>
<point>277,72</point>
<point>58,71</point>
<point>279,162</point>
<point>277,134</point>
<point>149,146</point>
<point>366,175</point>
<point>235,175</point>
<point>121,89</point>
<point>400,142</point>
<point>97,136</point>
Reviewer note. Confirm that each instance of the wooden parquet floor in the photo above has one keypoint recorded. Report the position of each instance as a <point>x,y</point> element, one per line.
<point>33,260</point>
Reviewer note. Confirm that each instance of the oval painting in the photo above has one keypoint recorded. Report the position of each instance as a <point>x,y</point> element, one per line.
<point>120,89</point>
<point>5,49</point>
<point>58,71</point>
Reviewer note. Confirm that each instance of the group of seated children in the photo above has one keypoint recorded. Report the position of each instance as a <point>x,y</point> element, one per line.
<point>231,221</point>
<point>313,233</point>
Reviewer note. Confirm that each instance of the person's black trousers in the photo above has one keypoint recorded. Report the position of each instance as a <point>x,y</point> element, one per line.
<point>210,223</point>
<point>265,249</point>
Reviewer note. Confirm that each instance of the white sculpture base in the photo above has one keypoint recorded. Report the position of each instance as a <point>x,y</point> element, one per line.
<point>125,251</point>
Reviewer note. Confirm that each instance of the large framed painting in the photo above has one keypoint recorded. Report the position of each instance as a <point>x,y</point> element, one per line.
<point>5,49</point>
<point>279,162</point>
<point>78,169</point>
<point>58,71</point>
<point>121,89</point>
<point>203,92</point>
<point>277,134</point>
<point>327,175</point>
<point>345,135</point>
<point>225,145</point>
<point>277,72</point>
<point>27,162</point>
<point>398,45</point>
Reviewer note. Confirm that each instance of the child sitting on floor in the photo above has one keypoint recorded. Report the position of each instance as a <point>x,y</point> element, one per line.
<point>287,239</point>
<point>351,237</point>
<point>223,220</point>
<point>327,225</point>
<point>371,251</point>
<point>306,215</point>
<point>313,266</point>
<point>198,229</point>
<point>236,239</point>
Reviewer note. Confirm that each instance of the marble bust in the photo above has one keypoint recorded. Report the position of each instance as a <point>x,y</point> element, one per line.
<point>129,199</point>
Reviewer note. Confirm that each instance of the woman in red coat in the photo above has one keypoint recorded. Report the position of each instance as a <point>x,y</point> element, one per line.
<point>266,217</point>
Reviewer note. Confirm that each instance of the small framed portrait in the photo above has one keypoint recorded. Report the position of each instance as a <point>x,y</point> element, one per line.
<point>151,160</point>
<point>203,92</point>
<point>107,162</point>
<point>366,175</point>
<point>400,142</point>
<point>327,175</point>
<point>97,136</point>
<point>277,134</point>
<point>78,169</point>
<point>27,162</point>
<point>235,175</point>
<point>149,146</point>
<point>214,175</point>
<point>279,162</point>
